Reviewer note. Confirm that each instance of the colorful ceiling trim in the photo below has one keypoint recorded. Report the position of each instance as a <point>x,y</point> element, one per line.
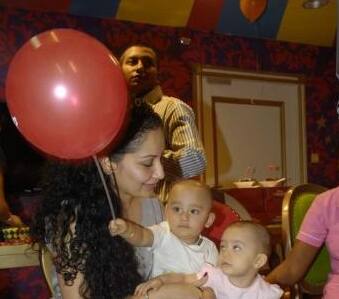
<point>310,26</point>
<point>282,19</point>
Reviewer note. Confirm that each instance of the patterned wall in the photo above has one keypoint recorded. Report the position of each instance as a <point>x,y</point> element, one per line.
<point>284,20</point>
<point>317,64</point>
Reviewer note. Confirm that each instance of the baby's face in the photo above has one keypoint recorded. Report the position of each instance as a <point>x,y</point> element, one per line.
<point>188,212</point>
<point>238,251</point>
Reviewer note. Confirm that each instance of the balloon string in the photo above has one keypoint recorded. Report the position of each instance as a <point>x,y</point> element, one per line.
<point>115,184</point>
<point>108,196</point>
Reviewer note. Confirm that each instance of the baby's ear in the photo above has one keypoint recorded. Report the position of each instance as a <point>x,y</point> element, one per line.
<point>107,165</point>
<point>210,220</point>
<point>260,260</point>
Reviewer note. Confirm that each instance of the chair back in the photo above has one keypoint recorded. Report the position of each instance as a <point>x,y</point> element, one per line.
<point>46,263</point>
<point>224,216</point>
<point>296,202</point>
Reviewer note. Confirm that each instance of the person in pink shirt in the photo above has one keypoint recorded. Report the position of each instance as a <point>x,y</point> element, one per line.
<point>244,249</point>
<point>320,225</point>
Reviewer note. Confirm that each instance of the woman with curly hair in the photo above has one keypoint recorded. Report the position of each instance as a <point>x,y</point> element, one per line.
<point>73,219</point>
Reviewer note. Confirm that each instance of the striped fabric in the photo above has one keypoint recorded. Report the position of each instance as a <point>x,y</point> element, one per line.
<point>184,156</point>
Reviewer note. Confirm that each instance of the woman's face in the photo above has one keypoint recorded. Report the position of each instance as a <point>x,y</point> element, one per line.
<point>138,173</point>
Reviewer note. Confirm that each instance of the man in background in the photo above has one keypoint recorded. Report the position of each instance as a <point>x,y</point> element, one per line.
<point>184,156</point>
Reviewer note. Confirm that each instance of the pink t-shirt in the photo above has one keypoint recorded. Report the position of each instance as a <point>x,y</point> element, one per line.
<point>224,289</point>
<point>321,224</point>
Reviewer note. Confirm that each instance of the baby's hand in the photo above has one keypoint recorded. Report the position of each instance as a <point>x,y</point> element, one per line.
<point>152,284</point>
<point>200,281</point>
<point>117,227</point>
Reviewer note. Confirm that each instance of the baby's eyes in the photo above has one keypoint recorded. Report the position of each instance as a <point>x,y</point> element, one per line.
<point>236,247</point>
<point>195,211</point>
<point>176,209</point>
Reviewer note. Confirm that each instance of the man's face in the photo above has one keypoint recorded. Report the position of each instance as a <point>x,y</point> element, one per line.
<point>140,70</point>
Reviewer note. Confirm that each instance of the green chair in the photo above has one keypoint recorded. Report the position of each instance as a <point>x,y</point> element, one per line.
<point>296,202</point>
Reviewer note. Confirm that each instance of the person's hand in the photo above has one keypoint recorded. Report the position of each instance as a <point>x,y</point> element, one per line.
<point>117,227</point>
<point>201,281</point>
<point>152,284</point>
<point>208,293</point>
<point>178,291</point>
<point>14,221</point>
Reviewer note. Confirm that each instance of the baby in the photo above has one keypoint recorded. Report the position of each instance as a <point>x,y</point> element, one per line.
<point>244,249</point>
<point>177,243</point>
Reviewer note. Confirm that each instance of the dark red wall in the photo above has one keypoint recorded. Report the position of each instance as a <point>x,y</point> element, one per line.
<point>315,63</point>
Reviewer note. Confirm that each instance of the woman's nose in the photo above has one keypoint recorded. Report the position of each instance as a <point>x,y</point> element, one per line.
<point>159,171</point>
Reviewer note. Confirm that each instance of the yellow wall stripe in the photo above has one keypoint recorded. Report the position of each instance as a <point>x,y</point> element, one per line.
<point>157,12</point>
<point>309,26</point>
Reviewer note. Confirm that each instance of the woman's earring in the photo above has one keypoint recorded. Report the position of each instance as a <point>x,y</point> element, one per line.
<point>106,165</point>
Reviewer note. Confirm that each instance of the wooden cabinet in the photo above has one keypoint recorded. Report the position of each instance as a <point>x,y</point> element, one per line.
<point>263,204</point>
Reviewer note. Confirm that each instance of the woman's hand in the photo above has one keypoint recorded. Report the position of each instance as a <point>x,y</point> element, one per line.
<point>143,288</point>
<point>208,293</point>
<point>117,227</point>
<point>177,291</point>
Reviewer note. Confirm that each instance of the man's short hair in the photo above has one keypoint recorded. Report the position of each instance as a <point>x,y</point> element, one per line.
<point>122,56</point>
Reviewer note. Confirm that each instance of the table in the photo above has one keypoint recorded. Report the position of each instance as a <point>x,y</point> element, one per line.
<point>17,256</point>
<point>263,204</point>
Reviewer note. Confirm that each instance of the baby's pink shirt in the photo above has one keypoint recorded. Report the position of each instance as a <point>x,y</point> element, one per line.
<point>321,224</point>
<point>224,289</point>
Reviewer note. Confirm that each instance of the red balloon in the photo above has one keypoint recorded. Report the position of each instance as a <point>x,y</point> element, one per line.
<point>66,94</point>
<point>252,9</point>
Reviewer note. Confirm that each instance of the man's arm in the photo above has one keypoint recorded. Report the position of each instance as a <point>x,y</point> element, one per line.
<point>133,233</point>
<point>184,156</point>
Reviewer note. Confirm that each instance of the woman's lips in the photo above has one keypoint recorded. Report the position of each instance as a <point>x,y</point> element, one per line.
<point>150,186</point>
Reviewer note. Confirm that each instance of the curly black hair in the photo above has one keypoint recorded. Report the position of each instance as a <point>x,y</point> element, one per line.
<point>74,215</point>
<point>142,120</point>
